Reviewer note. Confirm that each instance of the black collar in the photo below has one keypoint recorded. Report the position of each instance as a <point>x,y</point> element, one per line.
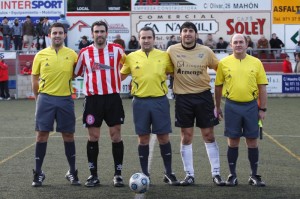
<point>191,48</point>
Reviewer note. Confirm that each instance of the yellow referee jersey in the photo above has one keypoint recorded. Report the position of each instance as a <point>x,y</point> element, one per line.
<point>240,78</point>
<point>148,72</point>
<point>55,70</point>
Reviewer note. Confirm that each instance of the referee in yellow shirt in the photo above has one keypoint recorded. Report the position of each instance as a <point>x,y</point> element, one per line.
<point>241,79</point>
<point>151,108</point>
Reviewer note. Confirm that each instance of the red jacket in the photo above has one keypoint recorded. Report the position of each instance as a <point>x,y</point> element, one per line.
<point>3,72</point>
<point>287,67</point>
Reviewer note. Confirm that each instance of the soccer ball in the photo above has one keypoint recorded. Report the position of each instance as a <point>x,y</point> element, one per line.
<point>139,183</point>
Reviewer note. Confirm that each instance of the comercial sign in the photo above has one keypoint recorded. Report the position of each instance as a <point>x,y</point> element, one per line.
<point>218,24</point>
<point>173,27</point>
<point>199,5</point>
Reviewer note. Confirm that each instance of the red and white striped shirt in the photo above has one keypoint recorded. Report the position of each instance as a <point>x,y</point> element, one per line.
<point>101,69</point>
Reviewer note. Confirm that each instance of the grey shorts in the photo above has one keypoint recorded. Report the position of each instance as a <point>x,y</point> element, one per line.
<point>53,108</point>
<point>241,119</point>
<point>151,115</point>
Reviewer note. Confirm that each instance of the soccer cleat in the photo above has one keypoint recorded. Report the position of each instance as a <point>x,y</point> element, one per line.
<point>188,180</point>
<point>73,178</point>
<point>256,181</point>
<point>171,179</point>
<point>92,181</point>
<point>231,181</point>
<point>118,181</point>
<point>38,179</point>
<point>218,180</point>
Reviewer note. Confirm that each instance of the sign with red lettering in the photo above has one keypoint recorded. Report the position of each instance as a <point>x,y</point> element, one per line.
<point>218,24</point>
<point>248,28</point>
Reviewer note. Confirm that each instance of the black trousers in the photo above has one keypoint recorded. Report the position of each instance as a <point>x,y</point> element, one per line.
<point>4,91</point>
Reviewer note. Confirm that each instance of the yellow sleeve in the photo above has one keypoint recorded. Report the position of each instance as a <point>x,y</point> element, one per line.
<point>126,66</point>
<point>36,65</point>
<point>219,76</point>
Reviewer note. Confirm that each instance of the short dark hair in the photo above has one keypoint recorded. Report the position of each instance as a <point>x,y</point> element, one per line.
<point>147,28</point>
<point>99,23</point>
<point>188,24</point>
<point>56,25</point>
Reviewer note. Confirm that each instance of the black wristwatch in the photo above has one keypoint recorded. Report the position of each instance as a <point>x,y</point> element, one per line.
<point>263,109</point>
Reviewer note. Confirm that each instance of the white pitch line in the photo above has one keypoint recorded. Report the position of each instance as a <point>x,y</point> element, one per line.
<point>151,151</point>
<point>83,136</point>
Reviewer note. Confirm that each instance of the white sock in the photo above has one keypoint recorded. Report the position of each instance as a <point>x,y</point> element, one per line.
<point>212,150</point>
<point>187,159</point>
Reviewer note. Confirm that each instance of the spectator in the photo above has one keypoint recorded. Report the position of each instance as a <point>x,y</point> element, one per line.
<point>172,41</point>
<point>84,42</point>
<point>66,24</point>
<point>40,39</point>
<point>198,40</point>
<point>133,43</point>
<point>6,31</point>
<point>26,69</point>
<point>120,41</point>
<point>4,91</point>
<point>250,45</point>
<point>297,49</point>
<point>209,42</point>
<point>287,65</point>
<point>263,47</point>
<point>28,32</point>
<point>297,67</point>
<point>17,34</point>
<point>46,27</point>
<point>222,45</point>
<point>276,45</point>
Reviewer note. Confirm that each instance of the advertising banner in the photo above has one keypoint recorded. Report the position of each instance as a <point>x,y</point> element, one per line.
<point>286,12</point>
<point>8,55</point>
<point>199,5</point>
<point>81,25</point>
<point>274,86</point>
<point>275,83</point>
<point>290,83</point>
<point>218,24</point>
<point>34,8</point>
